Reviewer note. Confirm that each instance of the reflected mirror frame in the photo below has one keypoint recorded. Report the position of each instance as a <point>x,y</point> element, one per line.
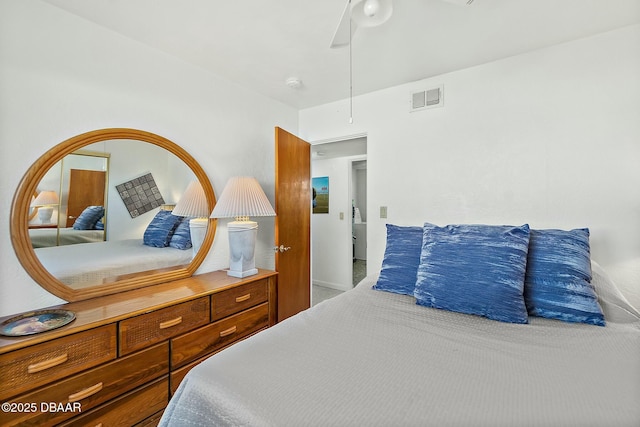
<point>28,185</point>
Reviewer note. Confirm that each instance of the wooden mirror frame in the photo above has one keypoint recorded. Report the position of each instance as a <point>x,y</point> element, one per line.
<point>28,185</point>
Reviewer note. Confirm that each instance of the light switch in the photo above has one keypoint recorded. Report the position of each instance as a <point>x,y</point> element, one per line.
<point>383,211</point>
<point>341,215</point>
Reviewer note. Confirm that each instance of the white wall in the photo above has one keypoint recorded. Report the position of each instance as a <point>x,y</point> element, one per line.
<point>61,76</point>
<point>132,159</point>
<point>331,235</point>
<point>550,138</point>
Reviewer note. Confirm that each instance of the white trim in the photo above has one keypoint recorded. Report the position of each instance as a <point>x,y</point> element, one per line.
<point>330,285</point>
<point>340,138</point>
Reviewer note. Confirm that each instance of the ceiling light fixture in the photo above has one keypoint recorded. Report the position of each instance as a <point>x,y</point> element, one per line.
<point>363,13</point>
<point>371,13</point>
<point>371,7</point>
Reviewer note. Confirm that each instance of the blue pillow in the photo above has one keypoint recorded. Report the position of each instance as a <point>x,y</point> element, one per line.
<point>401,260</point>
<point>181,238</point>
<point>88,218</point>
<point>558,277</point>
<point>474,269</point>
<point>159,232</point>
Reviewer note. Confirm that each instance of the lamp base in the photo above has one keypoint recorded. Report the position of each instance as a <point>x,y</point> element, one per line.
<point>242,274</point>
<point>44,214</point>
<point>242,246</point>
<point>197,229</point>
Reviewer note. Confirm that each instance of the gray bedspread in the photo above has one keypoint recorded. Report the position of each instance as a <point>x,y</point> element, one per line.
<point>371,358</point>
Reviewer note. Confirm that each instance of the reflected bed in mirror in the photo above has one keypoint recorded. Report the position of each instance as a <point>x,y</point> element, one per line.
<point>122,258</point>
<point>44,237</point>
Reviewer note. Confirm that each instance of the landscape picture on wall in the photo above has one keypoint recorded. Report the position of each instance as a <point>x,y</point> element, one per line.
<point>320,192</point>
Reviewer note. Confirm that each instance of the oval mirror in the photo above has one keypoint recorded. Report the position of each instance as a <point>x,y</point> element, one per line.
<point>133,178</point>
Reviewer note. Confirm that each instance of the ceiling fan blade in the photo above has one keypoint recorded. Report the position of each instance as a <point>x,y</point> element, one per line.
<point>342,38</point>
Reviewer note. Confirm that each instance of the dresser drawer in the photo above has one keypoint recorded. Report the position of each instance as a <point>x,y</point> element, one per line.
<point>84,391</point>
<point>239,298</point>
<point>129,409</point>
<point>206,340</point>
<point>159,325</point>
<point>176,377</point>
<point>31,367</point>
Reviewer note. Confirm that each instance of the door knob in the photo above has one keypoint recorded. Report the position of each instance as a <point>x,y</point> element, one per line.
<point>282,248</point>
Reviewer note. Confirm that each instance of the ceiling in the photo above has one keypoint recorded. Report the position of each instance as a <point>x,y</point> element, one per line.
<point>259,44</point>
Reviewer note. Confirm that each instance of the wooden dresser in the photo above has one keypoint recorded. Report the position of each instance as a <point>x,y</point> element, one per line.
<point>120,360</point>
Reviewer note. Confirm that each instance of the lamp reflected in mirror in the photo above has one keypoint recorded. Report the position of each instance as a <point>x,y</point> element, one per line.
<point>193,205</point>
<point>45,202</point>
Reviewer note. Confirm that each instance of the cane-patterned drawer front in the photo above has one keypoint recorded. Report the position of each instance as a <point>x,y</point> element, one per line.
<point>239,298</point>
<point>30,367</point>
<point>203,341</point>
<point>85,391</point>
<point>129,409</point>
<point>147,329</point>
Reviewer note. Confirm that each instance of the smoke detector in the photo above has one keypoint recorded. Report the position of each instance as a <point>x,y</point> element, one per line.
<point>294,83</point>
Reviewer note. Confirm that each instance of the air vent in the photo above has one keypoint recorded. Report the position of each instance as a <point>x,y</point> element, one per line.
<point>429,98</point>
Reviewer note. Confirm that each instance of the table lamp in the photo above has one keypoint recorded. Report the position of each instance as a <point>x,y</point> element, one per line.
<point>193,204</point>
<point>242,198</point>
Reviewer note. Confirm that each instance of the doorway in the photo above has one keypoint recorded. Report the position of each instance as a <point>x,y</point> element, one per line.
<point>339,230</point>
<point>359,219</point>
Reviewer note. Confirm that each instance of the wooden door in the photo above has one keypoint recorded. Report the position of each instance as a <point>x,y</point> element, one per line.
<point>86,188</point>
<point>293,223</point>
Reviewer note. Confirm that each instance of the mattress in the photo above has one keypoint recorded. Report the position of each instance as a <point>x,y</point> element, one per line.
<point>373,358</point>
<point>88,264</point>
<point>46,237</point>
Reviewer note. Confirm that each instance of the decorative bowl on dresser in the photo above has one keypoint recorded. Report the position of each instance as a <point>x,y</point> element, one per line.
<point>124,355</point>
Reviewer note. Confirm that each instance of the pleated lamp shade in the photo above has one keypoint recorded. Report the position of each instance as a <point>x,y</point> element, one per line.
<point>46,198</point>
<point>193,202</point>
<point>241,198</point>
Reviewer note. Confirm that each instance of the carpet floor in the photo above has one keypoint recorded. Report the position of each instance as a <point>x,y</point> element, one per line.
<point>321,293</point>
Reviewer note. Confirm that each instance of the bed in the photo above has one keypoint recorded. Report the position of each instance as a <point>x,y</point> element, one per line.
<point>87,264</point>
<point>376,358</point>
<point>47,237</point>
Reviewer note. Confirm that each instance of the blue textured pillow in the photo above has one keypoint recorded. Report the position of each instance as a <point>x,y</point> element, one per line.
<point>474,269</point>
<point>558,277</point>
<point>181,238</point>
<point>161,228</point>
<point>401,260</point>
<point>88,218</point>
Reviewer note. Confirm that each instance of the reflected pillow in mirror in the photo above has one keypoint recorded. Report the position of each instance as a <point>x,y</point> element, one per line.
<point>474,269</point>
<point>160,230</point>
<point>558,278</point>
<point>88,218</point>
<point>181,238</point>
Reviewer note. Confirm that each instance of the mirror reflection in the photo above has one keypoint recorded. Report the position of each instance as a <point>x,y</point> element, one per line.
<point>107,215</point>
<point>71,195</point>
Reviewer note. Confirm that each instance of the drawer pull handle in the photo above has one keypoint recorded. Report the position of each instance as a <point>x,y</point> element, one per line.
<point>170,323</point>
<point>227,331</point>
<point>90,391</point>
<point>243,298</point>
<point>41,366</point>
